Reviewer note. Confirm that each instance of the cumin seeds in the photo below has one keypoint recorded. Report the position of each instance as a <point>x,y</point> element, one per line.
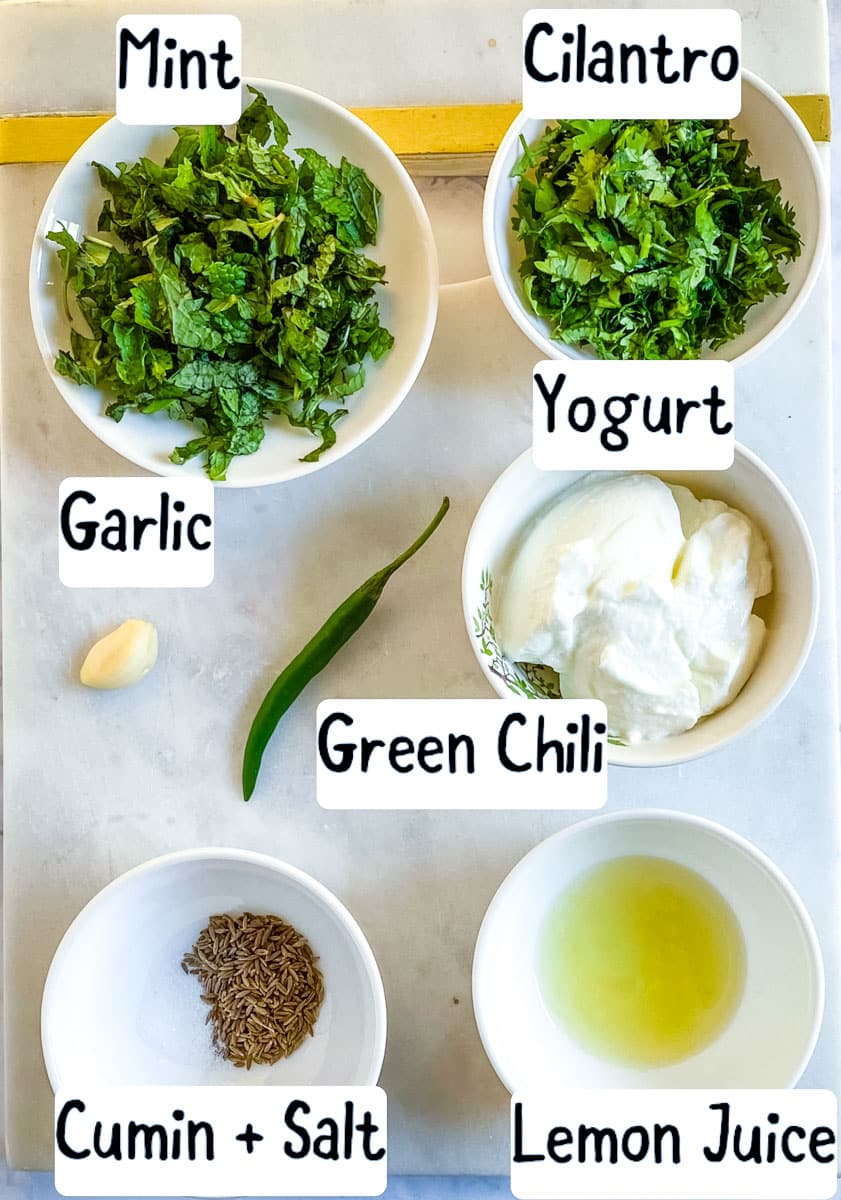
<point>260,977</point>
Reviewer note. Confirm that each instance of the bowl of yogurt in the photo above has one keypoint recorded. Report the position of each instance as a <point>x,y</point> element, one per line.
<point>686,601</point>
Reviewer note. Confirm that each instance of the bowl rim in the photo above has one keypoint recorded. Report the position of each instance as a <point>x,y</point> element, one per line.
<point>232,854</point>
<point>635,756</point>
<point>91,419</point>
<point>558,350</point>
<point>759,859</point>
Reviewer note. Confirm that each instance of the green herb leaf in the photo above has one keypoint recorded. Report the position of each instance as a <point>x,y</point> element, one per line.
<point>238,289</point>
<point>648,239</point>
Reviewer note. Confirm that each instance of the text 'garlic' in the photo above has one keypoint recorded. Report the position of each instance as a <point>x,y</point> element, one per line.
<point>122,657</point>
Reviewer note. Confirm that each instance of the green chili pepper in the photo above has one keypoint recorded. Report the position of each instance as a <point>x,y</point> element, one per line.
<point>317,653</point>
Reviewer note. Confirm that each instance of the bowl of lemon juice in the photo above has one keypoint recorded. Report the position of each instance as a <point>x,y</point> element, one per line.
<point>647,949</point>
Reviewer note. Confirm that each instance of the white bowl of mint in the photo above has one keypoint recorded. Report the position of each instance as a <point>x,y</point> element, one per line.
<point>250,303</point>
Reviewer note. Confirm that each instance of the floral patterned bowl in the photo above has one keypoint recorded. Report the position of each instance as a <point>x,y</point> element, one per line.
<point>523,493</point>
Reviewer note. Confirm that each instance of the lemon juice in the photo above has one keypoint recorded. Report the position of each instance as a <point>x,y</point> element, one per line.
<point>642,961</point>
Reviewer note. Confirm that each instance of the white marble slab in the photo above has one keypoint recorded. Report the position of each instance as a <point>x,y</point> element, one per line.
<point>96,783</point>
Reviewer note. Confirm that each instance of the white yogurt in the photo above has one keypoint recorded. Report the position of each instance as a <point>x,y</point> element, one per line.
<point>640,595</point>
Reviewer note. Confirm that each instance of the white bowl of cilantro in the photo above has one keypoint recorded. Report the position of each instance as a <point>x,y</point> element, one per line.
<point>658,239</point>
<point>252,303</point>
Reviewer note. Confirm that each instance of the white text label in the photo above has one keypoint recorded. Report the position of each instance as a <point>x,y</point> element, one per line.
<point>179,70</point>
<point>673,1145</point>
<point>221,1141</point>
<point>631,62</point>
<point>115,532</point>
<point>640,415</point>
<point>461,754</point>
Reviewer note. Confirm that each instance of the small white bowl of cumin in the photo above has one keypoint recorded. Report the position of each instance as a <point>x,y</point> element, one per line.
<point>120,1008</point>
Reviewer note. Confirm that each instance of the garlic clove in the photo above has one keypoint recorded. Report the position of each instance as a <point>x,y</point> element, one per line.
<point>122,657</point>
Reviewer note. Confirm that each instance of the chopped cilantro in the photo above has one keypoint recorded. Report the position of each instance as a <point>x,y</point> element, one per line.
<point>648,239</point>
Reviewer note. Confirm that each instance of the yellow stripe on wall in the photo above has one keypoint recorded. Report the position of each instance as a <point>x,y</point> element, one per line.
<point>35,139</point>
<point>456,129</point>
<point>815,113</point>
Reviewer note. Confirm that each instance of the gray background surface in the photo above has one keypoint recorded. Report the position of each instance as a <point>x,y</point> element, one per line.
<point>40,1186</point>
